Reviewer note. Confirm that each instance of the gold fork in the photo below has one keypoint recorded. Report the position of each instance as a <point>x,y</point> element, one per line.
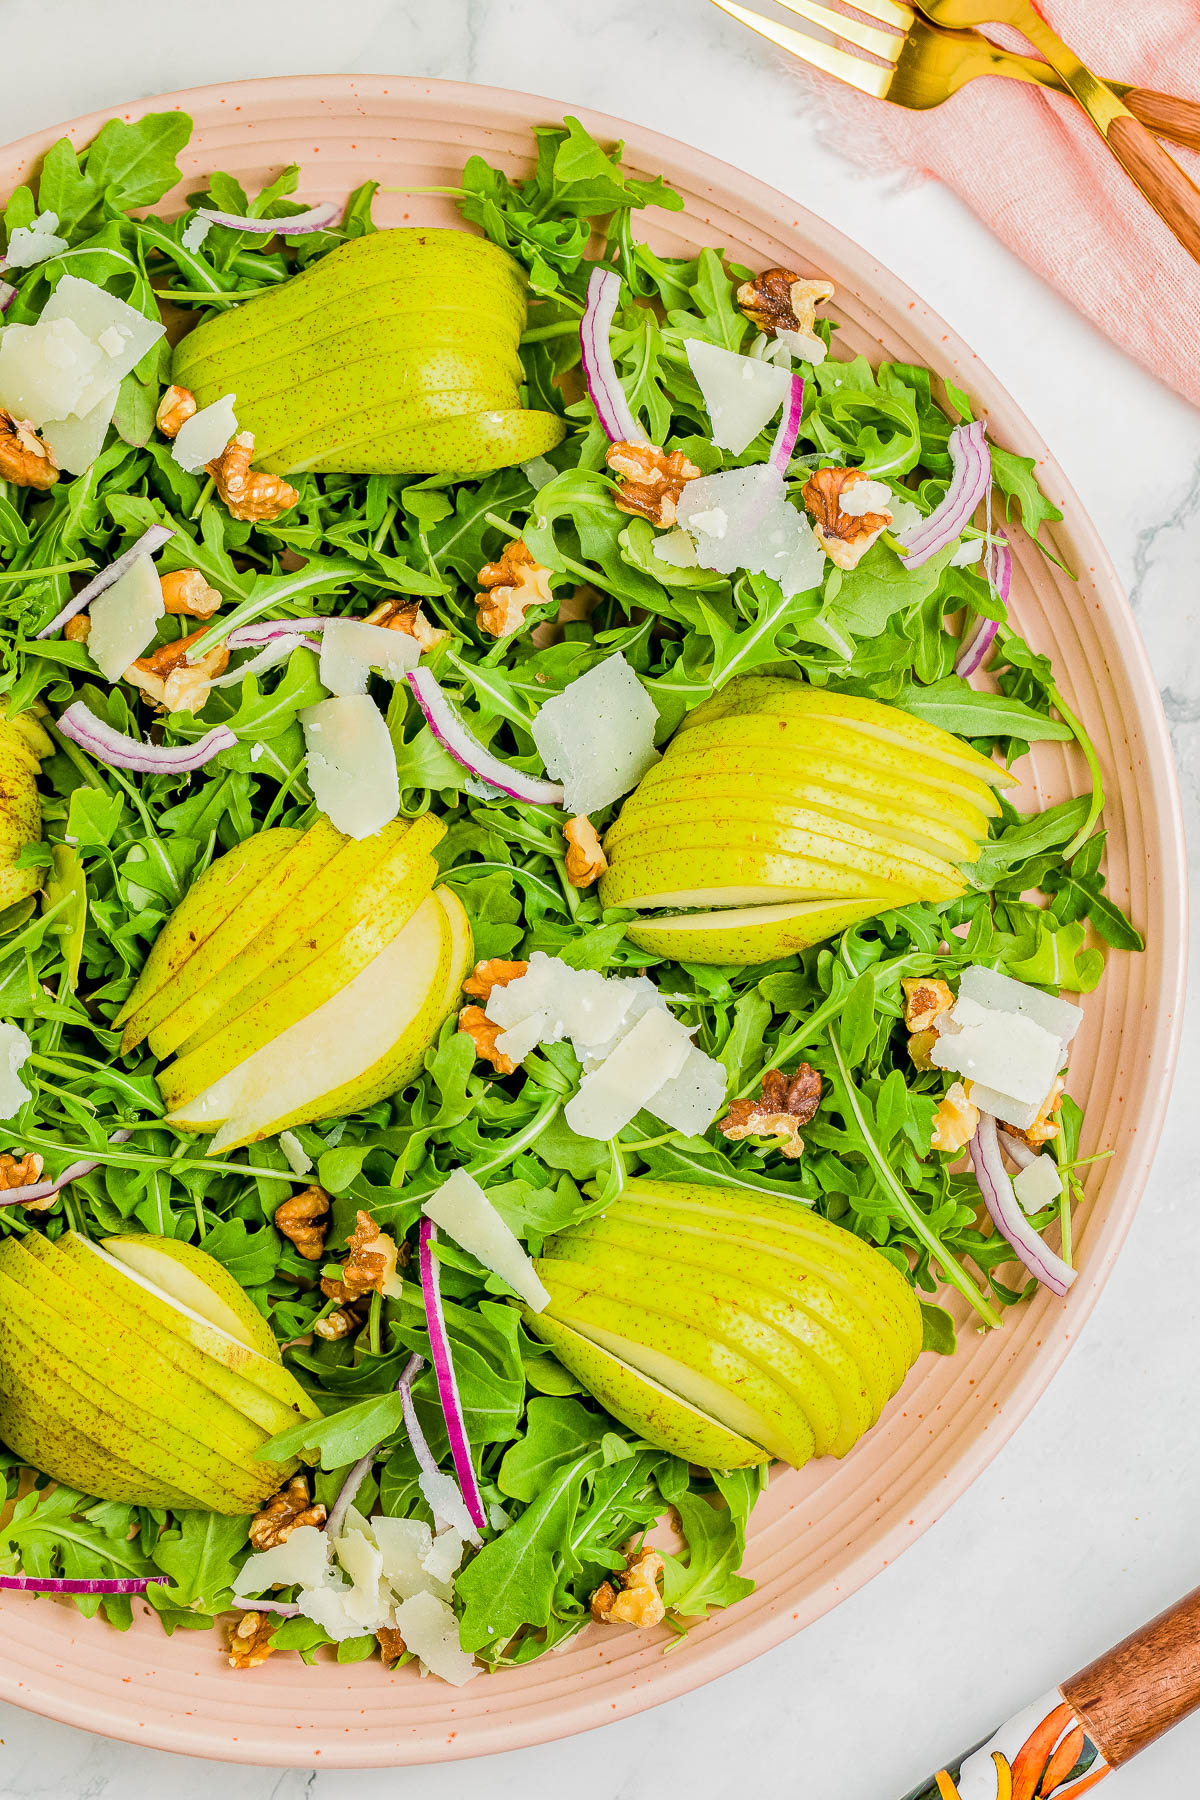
<point>930,62</point>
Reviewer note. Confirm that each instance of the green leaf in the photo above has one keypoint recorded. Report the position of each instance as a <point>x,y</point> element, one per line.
<point>202,1556</point>
<point>956,706</point>
<point>938,1331</point>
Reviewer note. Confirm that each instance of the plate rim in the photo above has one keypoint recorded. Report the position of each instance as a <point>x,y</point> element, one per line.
<point>71,1705</point>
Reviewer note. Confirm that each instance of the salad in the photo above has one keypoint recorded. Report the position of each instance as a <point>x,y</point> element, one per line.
<point>521,975</point>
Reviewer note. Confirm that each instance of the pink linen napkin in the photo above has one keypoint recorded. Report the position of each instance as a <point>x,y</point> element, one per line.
<point>1035,170</point>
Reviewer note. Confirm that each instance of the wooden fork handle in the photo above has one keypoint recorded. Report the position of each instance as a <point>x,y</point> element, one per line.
<point>1174,198</point>
<point>1165,115</point>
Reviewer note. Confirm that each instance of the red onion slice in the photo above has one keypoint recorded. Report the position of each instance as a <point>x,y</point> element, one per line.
<point>1006,1213</point>
<point>998,566</point>
<point>465,748</point>
<point>789,427</point>
<point>8,294</point>
<point>58,1584</point>
<point>147,544</point>
<point>968,485</point>
<point>80,724</point>
<point>348,1491</point>
<point>973,652</point>
<point>443,1368</point>
<point>599,370</point>
<point>1016,1149</point>
<point>250,637</point>
<point>317,218</point>
<point>42,1190</point>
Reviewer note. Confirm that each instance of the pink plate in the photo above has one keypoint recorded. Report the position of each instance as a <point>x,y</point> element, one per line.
<point>821,1533</point>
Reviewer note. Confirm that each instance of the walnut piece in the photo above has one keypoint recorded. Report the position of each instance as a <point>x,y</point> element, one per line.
<point>635,1598</point>
<point>586,861</point>
<point>174,683</point>
<point>1045,1127</point>
<point>24,459</point>
<point>483,1033</point>
<point>779,301</point>
<point>406,616</point>
<point>370,1266</point>
<point>250,494</point>
<point>786,1103</point>
<point>305,1220</point>
<point>391,1645</point>
<point>250,1641</point>
<point>186,591</point>
<point>926,998</point>
<point>174,409</point>
<point>495,972</point>
<point>283,1513</point>
<point>845,537</point>
<point>24,1172</point>
<point>338,1324</point>
<point>956,1120</point>
<point>510,587</point>
<point>650,480</point>
<point>78,630</point>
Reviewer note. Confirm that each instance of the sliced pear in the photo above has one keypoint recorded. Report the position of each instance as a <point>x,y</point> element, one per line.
<point>808,835</point>
<point>684,1357</point>
<point>356,1048</point>
<point>462,950</point>
<point>188,1274</point>
<point>313,914</point>
<point>123,1289</point>
<point>663,1418</point>
<point>745,877</point>
<point>48,1437</point>
<point>749,934</point>
<point>288,879</point>
<point>209,900</point>
<point>776,694</point>
<point>471,443</point>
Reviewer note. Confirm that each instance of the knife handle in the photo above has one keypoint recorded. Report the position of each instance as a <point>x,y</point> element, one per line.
<point>1067,1742</point>
<point>1173,196</point>
<point>1165,115</point>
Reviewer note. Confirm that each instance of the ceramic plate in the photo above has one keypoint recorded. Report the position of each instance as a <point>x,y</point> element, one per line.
<point>820,1533</point>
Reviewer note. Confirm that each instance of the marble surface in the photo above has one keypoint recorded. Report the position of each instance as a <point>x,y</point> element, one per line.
<point>1085,1524</point>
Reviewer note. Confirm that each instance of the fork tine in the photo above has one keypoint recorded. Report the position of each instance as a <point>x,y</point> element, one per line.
<point>853,31</point>
<point>888,12</point>
<point>869,78</point>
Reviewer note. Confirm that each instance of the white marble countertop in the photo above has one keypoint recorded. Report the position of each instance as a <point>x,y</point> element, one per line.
<point>1085,1524</point>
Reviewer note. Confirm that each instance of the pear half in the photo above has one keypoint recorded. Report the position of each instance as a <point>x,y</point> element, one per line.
<point>188,1274</point>
<point>738,935</point>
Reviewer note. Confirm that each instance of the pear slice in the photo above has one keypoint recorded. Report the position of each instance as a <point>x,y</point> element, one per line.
<point>676,1349</point>
<point>736,876</point>
<point>48,1437</point>
<point>470,443</point>
<point>210,899</point>
<point>801,1358</point>
<point>313,920</point>
<point>748,934</point>
<point>124,1290</point>
<point>663,1418</point>
<point>359,1046</point>
<point>188,1274</point>
<point>777,694</point>
<point>804,834</point>
<point>288,878</point>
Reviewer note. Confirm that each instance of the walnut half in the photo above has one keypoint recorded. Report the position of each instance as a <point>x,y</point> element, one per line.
<point>283,1514</point>
<point>249,494</point>
<point>371,1265</point>
<point>651,482</point>
<point>250,1641</point>
<point>632,1598</point>
<point>785,1104</point>
<point>586,861</point>
<point>509,588</point>
<point>304,1219</point>
<point>24,459</point>
<point>843,535</point>
<point>785,304</point>
<point>172,681</point>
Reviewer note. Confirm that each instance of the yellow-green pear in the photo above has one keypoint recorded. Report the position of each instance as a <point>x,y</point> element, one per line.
<point>48,1437</point>
<point>188,1274</point>
<point>739,935</point>
<point>21,741</point>
<point>806,835</point>
<point>671,877</point>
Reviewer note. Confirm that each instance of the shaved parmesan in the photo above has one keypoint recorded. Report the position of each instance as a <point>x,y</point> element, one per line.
<point>120,332</point>
<point>861,497</point>
<point>45,369</point>
<point>742,393</point>
<point>302,1560</point>
<point>15,1048</point>
<point>351,764</point>
<point>441,1561</point>
<point>1002,1050</point>
<point>365,1603</point>
<point>31,244</point>
<point>581,1004</point>
<point>650,1055</point>
<point>328,1606</point>
<point>430,1630</point>
<point>677,549</point>
<point>597,736</point>
<point>350,649</point>
<point>444,1499</point>
<point>411,1564</point>
<point>806,346</point>
<point>462,1209</point>
<point>760,528</point>
<point>1021,1113</point>
<point>203,437</point>
<point>77,441</point>
<point>299,1161</point>
<point>195,232</point>
<point>691,1100</point>
<point>125,618</point>
<point>1039,1184</point>
<point>1000,993</point>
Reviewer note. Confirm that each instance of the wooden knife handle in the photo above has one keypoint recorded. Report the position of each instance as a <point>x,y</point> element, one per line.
<point>1174,198</point>
<point>1165,115</point>
<point>1135,1692</point>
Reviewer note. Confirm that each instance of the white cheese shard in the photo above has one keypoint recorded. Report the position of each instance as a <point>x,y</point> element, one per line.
<point>414,1561</point>
<point>351,764</point>
<point>202,438</point>
<point>302,1560</point>
<point>77,441</point>
<point>677,549</point>
<point>350,649</point>
<point>742,393</point>
<point>967,554</point>
<point>558,1001</point>
<point>31,244</point>
<point>430,1630</point>
<point>1003,1051</point>
<point>45,369</point>
<point>298,1159</point>
<point>650,1055</point>
<point>637,995</point>
<point>805,346</point>
<point>1038,1184</point>
<point>365,1603</point>
<point>15,1049</point>
<point>691,1100</point>
<point>763,531</point>
<point>443,1497</point>
<point>462,1210</point>
<point>597,736</point>
<point>120,332</point>
<point>327,1606</point>
<point>905,517</point>
<point>441,1561</point>
<point>125,618</point>
<point>195,232</point>
<point>1000,993</point>
<point>862,497</point>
